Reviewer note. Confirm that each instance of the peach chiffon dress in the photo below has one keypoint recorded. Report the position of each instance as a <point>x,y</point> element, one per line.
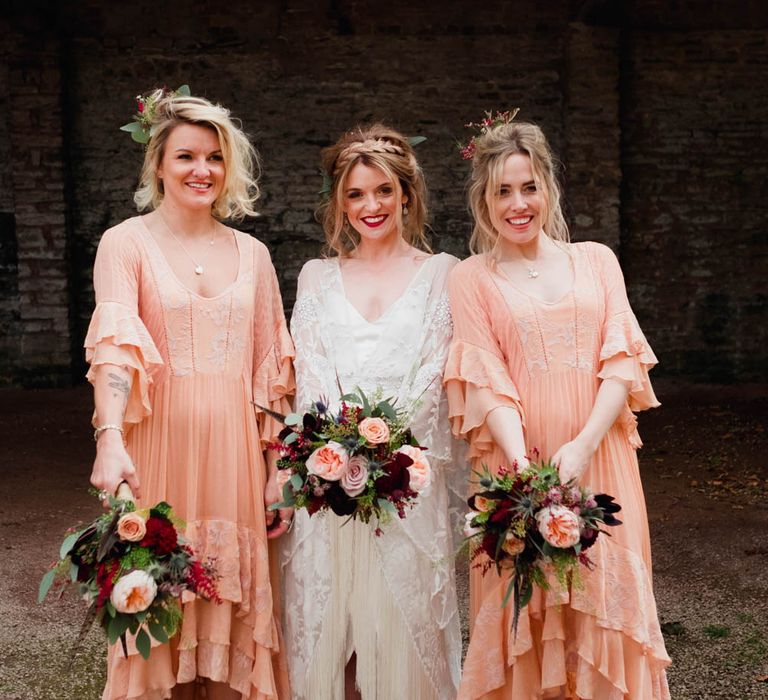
<point>200,365</point>
<point>600,641</point>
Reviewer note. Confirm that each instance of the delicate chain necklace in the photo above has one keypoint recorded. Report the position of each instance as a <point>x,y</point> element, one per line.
<point>532,272</point>
<point>199,269</point>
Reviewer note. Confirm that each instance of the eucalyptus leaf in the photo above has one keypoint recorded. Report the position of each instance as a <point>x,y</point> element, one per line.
<point>158,632</point>
<point>386,505</point>
<point>74,569</point>
<point>288,496</point>
<point>296,482</point>
<point>291,439</point>
<point>67,544</point>
<point>131,126</point>
<point>293,419</point>
<point>140,136</point>
<point>143,644</point>
<point>351,398</point>
<point>117,627</point>
<point>184,91</point>
<point>386,409</point>
<point>416,140</point>
<point>45,585</point>
<point>366,403</point>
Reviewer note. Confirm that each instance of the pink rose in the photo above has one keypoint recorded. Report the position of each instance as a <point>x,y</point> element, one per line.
<point>469,529</point>
<point>329,461</point>
<point>131,527</point>
<point>354,480</point>
<point>133,592</point>
<point>420,471</point>
<point>559,526</point>
<point>374,430</point>
<point>513,545</point>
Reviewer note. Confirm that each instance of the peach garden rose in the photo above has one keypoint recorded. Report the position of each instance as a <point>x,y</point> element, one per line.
<point>133,592</point>
<point>329,461</point>
<point>513,545</point>
<point>131,527</point>
<point>374,430</point>
<point>559,526</point>
<point>420,471</point>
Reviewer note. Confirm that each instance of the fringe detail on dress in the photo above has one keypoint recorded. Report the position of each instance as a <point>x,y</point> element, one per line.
<point>364,619</point>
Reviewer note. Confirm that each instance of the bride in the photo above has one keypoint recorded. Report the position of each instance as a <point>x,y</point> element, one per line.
<point>367,616</point>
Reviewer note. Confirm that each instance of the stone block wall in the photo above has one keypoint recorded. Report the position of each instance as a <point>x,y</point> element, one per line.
<point>695,165</point>
<point>653,111</point>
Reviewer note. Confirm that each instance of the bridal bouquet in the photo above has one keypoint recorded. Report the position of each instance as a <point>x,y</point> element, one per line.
<point>131,567</point>
<point>531,523</point>
<point>361,462</point>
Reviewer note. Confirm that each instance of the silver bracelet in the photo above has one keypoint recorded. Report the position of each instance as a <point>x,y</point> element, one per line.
<point>106,426</point>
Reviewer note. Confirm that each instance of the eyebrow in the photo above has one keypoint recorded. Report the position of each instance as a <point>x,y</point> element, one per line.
<point>376,187</point>
<point>525,184</point>
<point>188,150</point>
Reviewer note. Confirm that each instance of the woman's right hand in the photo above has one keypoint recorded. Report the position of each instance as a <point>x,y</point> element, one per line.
<point>113,465</point>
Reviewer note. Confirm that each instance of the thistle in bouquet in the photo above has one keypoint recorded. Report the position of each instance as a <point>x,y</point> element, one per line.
<point>361,461</point>
<point>131,567</point>
<point>530,523</point>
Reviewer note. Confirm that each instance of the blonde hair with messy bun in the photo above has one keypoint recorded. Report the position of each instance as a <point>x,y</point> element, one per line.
<point>240,190</point>
<point>377,146</point>
<point>492,150</point>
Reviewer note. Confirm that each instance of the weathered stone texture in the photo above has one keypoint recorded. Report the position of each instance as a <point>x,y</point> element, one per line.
<point>694,243</point>
<point>656,114</point>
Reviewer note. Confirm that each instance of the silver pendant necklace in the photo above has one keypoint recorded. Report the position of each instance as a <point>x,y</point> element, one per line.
<point>532,272</point>
<point>199,269</point>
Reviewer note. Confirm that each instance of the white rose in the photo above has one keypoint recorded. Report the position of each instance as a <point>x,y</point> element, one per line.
<point>469,530</point>
<point>133,592</point>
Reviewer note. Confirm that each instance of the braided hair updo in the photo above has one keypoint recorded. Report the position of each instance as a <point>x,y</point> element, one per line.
<point>377,146</point>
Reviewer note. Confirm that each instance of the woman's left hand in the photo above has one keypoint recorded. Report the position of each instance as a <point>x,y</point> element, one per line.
<point>572,459</point>
<point>278,521</point>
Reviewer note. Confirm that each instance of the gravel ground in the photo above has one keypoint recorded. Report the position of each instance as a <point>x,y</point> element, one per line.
<point>706,484</point>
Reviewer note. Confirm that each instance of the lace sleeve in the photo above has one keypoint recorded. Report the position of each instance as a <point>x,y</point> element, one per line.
<point>625,354</point>
<point>315,377</point>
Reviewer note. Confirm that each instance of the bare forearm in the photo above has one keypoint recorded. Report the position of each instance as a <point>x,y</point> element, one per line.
<point>111,388</point>
<point>506,428</point>
<point>609,402</point>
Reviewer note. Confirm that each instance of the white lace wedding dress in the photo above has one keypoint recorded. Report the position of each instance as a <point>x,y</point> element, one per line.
<point>389,599</point>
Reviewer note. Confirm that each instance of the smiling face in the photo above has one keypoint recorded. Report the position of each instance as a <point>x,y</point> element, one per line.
<point>372,203</point>
<point>192,167</point>
<point>517,204</point>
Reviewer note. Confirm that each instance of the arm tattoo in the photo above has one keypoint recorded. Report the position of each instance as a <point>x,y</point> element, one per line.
<point>120,384</point>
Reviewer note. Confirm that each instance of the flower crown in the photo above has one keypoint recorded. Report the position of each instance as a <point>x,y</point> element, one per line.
<point>325,191</point>
<point>491,121</point>
<point>141,128</point>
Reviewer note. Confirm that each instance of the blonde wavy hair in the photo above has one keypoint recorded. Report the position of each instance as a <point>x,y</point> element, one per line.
<point>492,150</point>
<point>240,190</point>
<point>377,146</point>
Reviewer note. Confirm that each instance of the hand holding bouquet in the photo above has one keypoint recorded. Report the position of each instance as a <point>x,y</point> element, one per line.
<point>362,462</point>
<point>131,567</point>
<point>530,522</point>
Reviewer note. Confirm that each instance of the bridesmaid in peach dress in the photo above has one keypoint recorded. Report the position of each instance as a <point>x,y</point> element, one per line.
<point>187,338</point>
<point>547,354</point>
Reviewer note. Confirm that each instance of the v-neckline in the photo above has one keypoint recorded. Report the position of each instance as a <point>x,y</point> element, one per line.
<point>176,278</point>
<point>568,293</point>
<point>394,303</point>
